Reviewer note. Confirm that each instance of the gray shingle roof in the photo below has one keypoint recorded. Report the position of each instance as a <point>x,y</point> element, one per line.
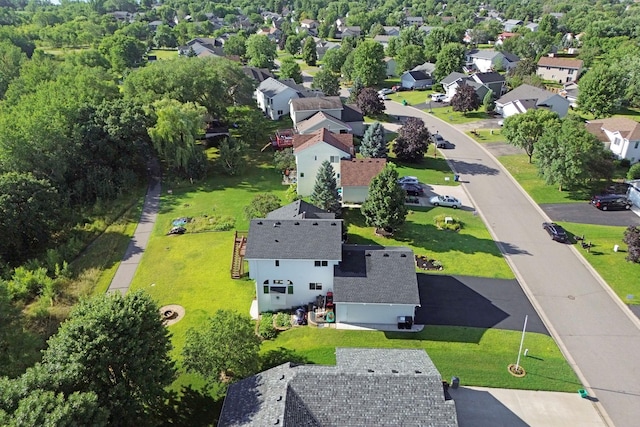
<point>489,77</point>
<point>351,113</point>
<point>523,92</point>
<point>300,210</point>
<point>294,239</point>
<point>317,103</point>
<point>452,78</point>
<point>366,387</point>
<point>376,274</point>
<point>510,56</point>
<point>483,53</point>
<point>271,87</point>
<point>418,75</point>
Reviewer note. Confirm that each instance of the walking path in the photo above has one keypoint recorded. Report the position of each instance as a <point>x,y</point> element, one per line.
<point>597,333</point>
<point>129,264</point>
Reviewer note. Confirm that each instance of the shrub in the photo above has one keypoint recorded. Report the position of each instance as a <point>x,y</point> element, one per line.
<point>454,225</point>
<point>283,320</point>
<point>634,171</point>
<point>266,330</point>
<point>625,163</point>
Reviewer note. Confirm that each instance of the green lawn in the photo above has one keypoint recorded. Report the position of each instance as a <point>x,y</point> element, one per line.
<point>473,244</point>
<point>413,97</point>
<point>448,115</point>
<point>621,275</point>
<point>164,53</point>
<point>477,356</point>
<point>432,170</point>
<point>527,176</point>
<point>486,135</point>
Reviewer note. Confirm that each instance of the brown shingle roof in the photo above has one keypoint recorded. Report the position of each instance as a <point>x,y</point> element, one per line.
<point>317,103</point>
<point>360,172</point>
<point>596,129</point>
<point>342,141</point>
<point>629,129</point>
<point>548,61</point>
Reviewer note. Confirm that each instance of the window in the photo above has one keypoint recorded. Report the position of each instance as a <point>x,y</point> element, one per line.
<point>616,141</point>
<point>290,289</point>
<point>334,159</point>
<point>571,70</point>
<point>320,263</point>
<point>278,289</point>
<point>280,112</point>
<point>278,282</point>
<point>316,264</point>
<point>277,263</point>
<point>325,263</point>
<point>636,146</point>
<point>266,282</point>
<point>265,289</point>
<point>315,286</point>
<point>301,174</point>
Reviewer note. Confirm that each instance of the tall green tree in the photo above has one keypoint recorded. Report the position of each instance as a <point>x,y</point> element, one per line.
<point>601,89</point>
<point>327,82</point>
<point>224,345</point>
<point>293,45</point>
<point>412,141</point>
<point>174,134</point>
<point>565,153</point>
<point>232,155</point>
<point>488,102</point>
<point>122,51</point>
<point>374,144</point>
<point>116,347</point>
<point>309,52</point>
<point>325,191</point>
<point>450,59</point>
<point>409,56</point>
<point>290,69</point>
<point>385,208</point>
<point>236,45</point>
<point>466,99</point>
<point>261,205</point>
<point>11,57</point>
<point>524,130</point>
<point>30,213</point>
<point>333,59</point>
<point>368,63</point>
<point>260,51</point>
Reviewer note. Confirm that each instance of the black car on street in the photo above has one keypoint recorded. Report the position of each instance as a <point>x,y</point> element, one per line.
<point>556,232</point>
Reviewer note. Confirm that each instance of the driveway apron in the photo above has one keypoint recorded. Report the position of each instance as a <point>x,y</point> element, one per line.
<point>598,334</point>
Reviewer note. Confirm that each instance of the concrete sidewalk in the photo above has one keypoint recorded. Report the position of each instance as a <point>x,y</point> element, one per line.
<point>129,264</point>
<point>496,407</point>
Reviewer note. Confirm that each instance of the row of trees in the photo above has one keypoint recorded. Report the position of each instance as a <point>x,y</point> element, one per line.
<point>565,153</point>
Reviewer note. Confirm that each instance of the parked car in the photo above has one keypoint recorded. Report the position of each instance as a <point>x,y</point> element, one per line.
<point>440,142</point>
<point>413,189</point>
<point>556,232</point>
<point>446,201</point>
<point>438,97</point>
<point>383,97</point>
<point>399,88</point>
<point>611,202</point>
<point>408,180</point>
<point>385,91</point>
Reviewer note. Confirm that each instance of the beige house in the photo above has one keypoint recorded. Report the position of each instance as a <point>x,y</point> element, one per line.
<point>356,177</point>
<point>562,70</point>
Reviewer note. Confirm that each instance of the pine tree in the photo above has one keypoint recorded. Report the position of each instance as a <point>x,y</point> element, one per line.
<point>325,192</point>
<point>385,206</point>
<point>373,142</point>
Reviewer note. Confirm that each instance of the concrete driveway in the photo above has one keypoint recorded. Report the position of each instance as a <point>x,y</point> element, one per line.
<point>597,333</point>
<point>584,213</point>
<point>496,407</point>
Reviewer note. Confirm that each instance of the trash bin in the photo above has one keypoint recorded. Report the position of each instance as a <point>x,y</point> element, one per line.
<point>455,382</point>
<point>404,102</point>
<point>456,177</point>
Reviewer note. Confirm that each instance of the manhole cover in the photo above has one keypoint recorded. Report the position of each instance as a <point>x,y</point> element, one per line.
<point>571,297</point>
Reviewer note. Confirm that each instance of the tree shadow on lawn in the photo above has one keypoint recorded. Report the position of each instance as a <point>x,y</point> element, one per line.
<point>191,407</point>
<point>427,163</point>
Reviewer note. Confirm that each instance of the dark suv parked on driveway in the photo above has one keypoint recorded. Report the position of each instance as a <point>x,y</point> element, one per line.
<point>610,202</point>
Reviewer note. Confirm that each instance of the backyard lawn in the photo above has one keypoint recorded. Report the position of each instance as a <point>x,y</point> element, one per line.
<point>486,135</point>
<point>477,356</point>
<point>164,53</point>
<point>448,115</point>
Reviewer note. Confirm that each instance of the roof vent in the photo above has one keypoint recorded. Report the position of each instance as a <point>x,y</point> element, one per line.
<point>368,254</point>
<point>296,223</point>
<point>278,222</point>
<point>259,222</point>
<point>403,255</point>
<point>386,255</point>
<point>282,377</point>
<point>277,241</point>
<point>279,398</point>
<point>370,370</point>
<point>276,422</point>
<point>394,371</point>
<point>418,372</point>
<point>315,223</point>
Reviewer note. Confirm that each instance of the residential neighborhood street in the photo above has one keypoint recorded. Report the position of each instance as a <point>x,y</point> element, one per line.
<point>597,332</point>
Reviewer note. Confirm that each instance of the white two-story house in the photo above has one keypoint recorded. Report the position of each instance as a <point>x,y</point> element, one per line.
<point>620,135</point>
<point>273,97</point>
<point>526,97</point>
<point>312,149</point>
<point>297,254</point>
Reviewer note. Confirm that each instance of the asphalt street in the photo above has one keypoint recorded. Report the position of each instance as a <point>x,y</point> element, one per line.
<point>584,213</point>
<point>598,334</point>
